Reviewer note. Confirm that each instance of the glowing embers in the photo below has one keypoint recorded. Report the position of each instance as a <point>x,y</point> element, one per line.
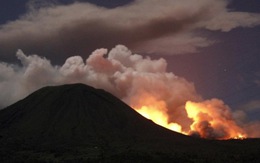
<point>157,112</point>
<point>212,119</point>
<point>159,118</point>
<point>240,136</point>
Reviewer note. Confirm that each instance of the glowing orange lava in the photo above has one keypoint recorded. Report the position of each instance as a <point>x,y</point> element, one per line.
<point>211,119</point>
<point>240,136</point>
<point>157,112</point>
<point>159,118</point>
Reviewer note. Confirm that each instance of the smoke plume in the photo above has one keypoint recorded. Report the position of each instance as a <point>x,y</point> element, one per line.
<point>141,82</point>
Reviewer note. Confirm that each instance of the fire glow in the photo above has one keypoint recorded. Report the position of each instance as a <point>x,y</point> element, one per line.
<point>141,82</point>
<point>209,120</point>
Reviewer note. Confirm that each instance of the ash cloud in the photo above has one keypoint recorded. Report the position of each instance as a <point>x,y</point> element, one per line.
<point>131,77</point>
<point>126,75</point>
<point>164,27</point>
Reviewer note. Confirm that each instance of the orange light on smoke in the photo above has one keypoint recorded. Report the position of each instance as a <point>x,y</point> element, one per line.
<point>158,117</point>
<point>217,120</point>
<point>211,119</point>
<point>156,110</point>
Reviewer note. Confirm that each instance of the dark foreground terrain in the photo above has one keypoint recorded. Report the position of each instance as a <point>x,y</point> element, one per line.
<point>78,123</point>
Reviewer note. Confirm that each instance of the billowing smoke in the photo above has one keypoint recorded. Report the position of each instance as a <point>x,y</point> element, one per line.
<point>212,119</point>
<point>141,82</point>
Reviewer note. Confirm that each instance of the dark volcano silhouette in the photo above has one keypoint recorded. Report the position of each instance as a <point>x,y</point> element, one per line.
<point>80,123</point>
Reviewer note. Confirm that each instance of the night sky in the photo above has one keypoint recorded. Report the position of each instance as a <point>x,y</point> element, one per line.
<point>222,60</point>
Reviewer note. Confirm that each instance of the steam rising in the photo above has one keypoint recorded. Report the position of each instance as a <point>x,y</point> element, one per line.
<point>141,82</point>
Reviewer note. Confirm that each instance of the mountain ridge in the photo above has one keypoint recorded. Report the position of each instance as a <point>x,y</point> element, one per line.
<point>76,121</point>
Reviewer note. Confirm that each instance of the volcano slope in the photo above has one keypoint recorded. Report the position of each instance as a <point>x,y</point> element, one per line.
<point>78,123</point>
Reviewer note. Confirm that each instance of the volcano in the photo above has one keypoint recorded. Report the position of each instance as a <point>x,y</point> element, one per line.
<point>79,123</point>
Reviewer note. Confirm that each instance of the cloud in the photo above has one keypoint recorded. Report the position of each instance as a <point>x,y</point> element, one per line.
<point>130,77</point>
<point>34,5</point>
<point>175,44</point>
<point>251,105</point>
<point>141,82</point>
<point>257,81</point>
<point>169,27</point>
<point>119,72</point>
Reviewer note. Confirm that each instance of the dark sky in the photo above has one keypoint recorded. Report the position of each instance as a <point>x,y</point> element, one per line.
<point>228,69</point>
<point>12,9</point>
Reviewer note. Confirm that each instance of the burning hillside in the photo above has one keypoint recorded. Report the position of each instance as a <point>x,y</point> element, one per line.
<point>210,119</point>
